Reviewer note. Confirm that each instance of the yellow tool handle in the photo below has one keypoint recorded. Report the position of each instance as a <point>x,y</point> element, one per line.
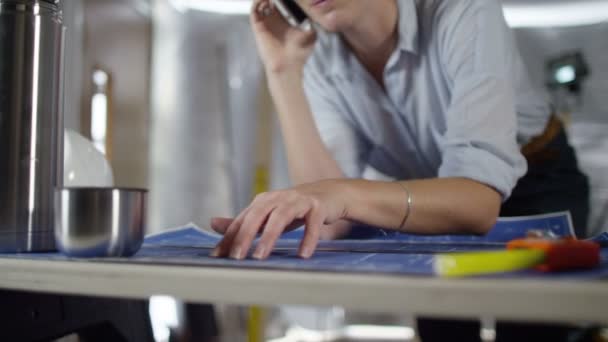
<point>479,263</point>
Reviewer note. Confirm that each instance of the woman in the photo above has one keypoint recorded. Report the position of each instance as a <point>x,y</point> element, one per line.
<point>430,93</point>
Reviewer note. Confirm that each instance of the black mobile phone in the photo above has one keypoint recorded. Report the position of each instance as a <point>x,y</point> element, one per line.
<point>293,14</point>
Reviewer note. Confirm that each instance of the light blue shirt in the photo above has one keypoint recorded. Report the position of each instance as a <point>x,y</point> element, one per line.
<point>458,102</point>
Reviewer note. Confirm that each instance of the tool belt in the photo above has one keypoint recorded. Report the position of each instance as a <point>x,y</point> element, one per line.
<point>537,149</point>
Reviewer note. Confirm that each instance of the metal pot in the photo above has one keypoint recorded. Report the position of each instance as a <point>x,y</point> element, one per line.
<point>100,222</point>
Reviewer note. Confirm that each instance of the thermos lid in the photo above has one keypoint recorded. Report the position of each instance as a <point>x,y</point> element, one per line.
<point>52,7</point>
<point>48,2</point>
<point>52,2</point>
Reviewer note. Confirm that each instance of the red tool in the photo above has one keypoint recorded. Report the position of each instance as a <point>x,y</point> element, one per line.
<point>564,253</point>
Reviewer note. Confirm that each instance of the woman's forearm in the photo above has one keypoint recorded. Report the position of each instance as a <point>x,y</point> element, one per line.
<point>308,158</point>
<point>439,206</point>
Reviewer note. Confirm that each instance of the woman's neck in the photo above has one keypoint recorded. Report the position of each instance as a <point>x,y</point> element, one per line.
<point>374,36</point>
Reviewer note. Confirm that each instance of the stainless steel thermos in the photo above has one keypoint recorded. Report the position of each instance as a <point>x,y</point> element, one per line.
<point>31,122</point>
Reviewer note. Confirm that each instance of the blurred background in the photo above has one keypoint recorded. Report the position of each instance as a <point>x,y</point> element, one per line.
<point>171,91</point>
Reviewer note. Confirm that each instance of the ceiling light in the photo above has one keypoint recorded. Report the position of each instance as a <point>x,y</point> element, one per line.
<point>557,14</point>
<point>231,7</point>
<point>573,13</point>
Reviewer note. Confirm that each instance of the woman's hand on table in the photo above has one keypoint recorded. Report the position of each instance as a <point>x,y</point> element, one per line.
<point>440,206</point>
<point>273,213</point>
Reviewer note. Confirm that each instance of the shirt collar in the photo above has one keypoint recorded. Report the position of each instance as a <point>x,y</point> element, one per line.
<point>408,26</point>
<point>408,37</point>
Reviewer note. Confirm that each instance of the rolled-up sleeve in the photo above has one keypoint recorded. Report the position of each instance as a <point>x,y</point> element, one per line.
<point>480,140</point>
<point>344,142</point>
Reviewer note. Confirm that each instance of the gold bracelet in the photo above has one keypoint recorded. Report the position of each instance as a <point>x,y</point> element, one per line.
<point>409,206</point>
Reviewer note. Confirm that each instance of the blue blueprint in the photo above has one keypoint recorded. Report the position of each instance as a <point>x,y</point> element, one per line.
<point>398,254</point>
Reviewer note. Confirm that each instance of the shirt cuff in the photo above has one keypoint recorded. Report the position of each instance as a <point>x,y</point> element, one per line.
<point>500,171</point>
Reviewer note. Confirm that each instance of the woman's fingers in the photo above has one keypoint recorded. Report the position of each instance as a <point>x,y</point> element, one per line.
<point>312,233</point>
<point>221,224</point>
<point>268,22</point>
<point>223,247</point>
<point>253,223</point>
<point>264,11</point>
<point>270,214</point>
<point>279,220</point>
<point>260,9</point>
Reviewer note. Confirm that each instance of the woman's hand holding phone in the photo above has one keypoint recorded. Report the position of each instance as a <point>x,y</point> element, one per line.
<point>282,47</point>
